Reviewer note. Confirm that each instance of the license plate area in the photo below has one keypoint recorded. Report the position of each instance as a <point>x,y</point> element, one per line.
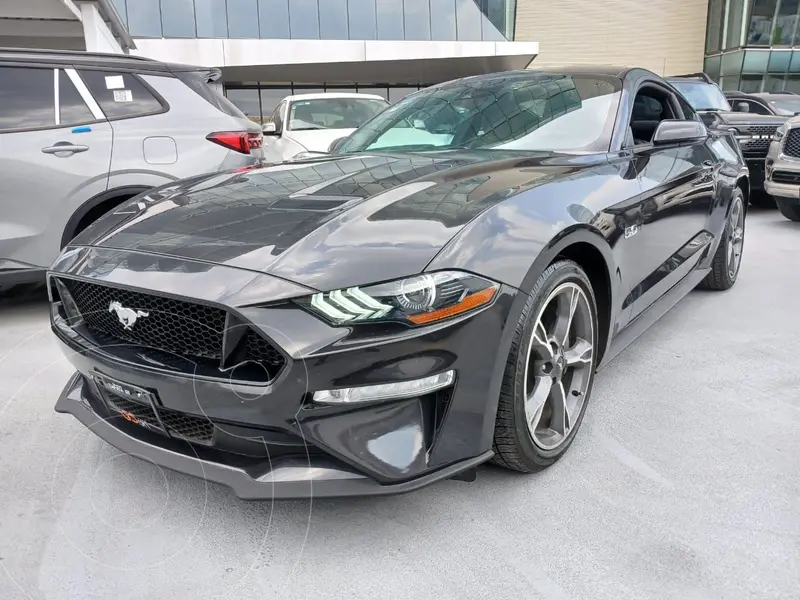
<point>134,404</point>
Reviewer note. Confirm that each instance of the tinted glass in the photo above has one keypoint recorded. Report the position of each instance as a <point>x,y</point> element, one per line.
<point>304,19</point>
<point>26,98</point>
<point>378,91</point>
<point>763,13</point>
<point>443,20</point>
<point>702,96</point>
<point>271,97</point>
<point>734,21</point>
<point>332,113</point>
<point>730,82</point>
<point>361,19</point>
<point>417,19</point>
<point>72,108</point>
<point>779,61</point>
<point>793,84</point>
<point>751,83</point>
<point>774,83</point>
<point>755,61</point>
<point>248,102</point>
<point>732,63</point>
<point>794,66</point>
<point>716,9</point>
<point>468,20</point>
<point>242,18</point>
<point>712,66</point>
<point>133,99</point>
<point>122,10</point>
<point>212,19</point>
<point>177,18</point>
<point>754,107</point>
<point>537,112</point>
<point>144,18</point>
<point>785,23</point>
<point>398,93</point>
<point>333,19</point>
<point>389,16</point>
<point>273,17</point>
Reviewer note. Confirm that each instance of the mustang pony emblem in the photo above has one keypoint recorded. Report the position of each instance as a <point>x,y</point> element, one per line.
<point>126,316</point>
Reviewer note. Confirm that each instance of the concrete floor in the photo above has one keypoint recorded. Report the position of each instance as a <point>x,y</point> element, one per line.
<point>684,483</point>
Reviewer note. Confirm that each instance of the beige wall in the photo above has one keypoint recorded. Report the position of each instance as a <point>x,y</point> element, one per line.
<point>665,36</point>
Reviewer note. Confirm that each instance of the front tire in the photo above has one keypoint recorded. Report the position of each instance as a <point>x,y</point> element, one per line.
<point>549,372</point>
<point>728,258</point>
<point>789,208</point>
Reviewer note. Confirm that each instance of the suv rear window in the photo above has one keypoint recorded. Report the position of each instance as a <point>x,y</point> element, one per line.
<point>121,95</point>
<point>196,80</point>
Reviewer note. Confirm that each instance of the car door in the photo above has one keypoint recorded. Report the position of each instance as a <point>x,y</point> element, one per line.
<point>665,230</point>
<point>55,148</point>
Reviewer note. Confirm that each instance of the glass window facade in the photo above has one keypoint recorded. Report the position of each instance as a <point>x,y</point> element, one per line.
<point>753,45</point>
<point>445,20</point>
<point>259,101</point>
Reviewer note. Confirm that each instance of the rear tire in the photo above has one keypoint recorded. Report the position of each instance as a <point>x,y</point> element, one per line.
<point>549,371</point>
<point>789,208</point>
<point>728,258</point>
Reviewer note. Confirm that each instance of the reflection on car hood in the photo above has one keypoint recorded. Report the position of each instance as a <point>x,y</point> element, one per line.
<point>329,222</point>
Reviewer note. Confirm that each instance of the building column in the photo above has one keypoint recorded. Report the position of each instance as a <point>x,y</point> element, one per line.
<point>97,35</point>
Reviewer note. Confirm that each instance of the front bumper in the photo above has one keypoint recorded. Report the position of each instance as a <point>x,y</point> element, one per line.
<point>293,479</point>
<point>271,441</point>
<point>785,166</point>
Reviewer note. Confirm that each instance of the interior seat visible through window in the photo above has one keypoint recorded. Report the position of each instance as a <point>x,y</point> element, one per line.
<point>650,107</point>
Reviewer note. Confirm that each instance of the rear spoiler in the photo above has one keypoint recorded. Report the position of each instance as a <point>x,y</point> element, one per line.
<point>702,76</point>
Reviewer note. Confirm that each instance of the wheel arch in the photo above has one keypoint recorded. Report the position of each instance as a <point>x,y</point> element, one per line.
<point>109,198</point>
<point>743,183</point>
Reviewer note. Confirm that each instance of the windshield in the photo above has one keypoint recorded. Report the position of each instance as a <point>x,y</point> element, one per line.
<point>530,111</point>
<point>333,113</point>
<point>702,96</point>
<point>786,106</point>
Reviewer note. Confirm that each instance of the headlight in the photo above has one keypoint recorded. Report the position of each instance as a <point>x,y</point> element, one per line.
<point>780,132</point>
<point>418,300</point>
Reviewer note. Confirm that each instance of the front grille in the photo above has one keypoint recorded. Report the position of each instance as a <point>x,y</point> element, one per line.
<point>172,325</point>
<point>791,146</point>
<point>187,427</point>
<point>760,129</point>
<point>786,177</point>
<point>184,336</point>
<point>758,146</point>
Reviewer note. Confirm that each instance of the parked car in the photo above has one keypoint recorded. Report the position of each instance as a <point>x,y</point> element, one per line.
<point>81,133</point>
<point>410,306</point>
<point>783,169</point>
<point>754,132</point>
<point>784,104</point>
<point>306,124</point>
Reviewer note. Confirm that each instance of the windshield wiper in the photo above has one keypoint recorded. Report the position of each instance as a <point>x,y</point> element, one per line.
<point>306,128</point>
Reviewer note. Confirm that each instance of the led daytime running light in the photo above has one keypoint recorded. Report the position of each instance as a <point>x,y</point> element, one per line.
<point>386,391</point>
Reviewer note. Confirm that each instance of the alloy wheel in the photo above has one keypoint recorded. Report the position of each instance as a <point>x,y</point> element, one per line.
<point>559,366</point>
<point>735,237</point>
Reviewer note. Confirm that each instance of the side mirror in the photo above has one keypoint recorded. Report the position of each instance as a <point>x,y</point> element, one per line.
<point>674,131</point>
<point>336,144</point>
<point>270,128</point>
<point>741,107</point>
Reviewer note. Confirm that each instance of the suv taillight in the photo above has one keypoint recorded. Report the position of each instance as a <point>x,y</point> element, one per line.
<point>240,141</point>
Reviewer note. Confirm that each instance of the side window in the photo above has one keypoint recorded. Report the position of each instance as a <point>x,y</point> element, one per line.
<point>72,109</point>
<point>650,106</point>
<point>688,112</point>
<point>758,108</point>
<point>27,98</point>
<point>120,95</point>
<point>276,115</point>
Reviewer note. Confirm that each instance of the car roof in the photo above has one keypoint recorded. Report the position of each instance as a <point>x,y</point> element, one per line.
<point>93,59</point>
<point>328,95</point>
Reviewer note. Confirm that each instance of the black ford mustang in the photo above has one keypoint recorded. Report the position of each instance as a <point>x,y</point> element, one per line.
<point>437,293</point>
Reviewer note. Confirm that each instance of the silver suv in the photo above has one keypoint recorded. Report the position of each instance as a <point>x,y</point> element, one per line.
<point>783,169</point>
<point>80,133</point>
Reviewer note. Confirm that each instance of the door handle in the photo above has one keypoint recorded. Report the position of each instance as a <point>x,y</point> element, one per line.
<point>60,147</point>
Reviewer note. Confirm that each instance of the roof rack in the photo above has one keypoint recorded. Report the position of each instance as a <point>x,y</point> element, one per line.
<point>700,75</point>
<point>75,53</point>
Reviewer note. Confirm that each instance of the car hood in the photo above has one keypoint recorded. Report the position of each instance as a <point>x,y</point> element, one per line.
<point>330,222</point>
<point>318,140</point>
<point>740,118</point>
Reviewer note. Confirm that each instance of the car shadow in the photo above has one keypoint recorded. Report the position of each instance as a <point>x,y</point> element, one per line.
<point>29,294</point>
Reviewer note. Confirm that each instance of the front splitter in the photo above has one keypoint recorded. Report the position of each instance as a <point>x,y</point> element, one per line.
<point>285,482</point>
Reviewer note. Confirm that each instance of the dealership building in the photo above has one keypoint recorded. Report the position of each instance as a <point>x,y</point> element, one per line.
<point>268,49</point>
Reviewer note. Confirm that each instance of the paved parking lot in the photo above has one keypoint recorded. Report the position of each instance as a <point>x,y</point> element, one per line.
<point>683,483</point>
